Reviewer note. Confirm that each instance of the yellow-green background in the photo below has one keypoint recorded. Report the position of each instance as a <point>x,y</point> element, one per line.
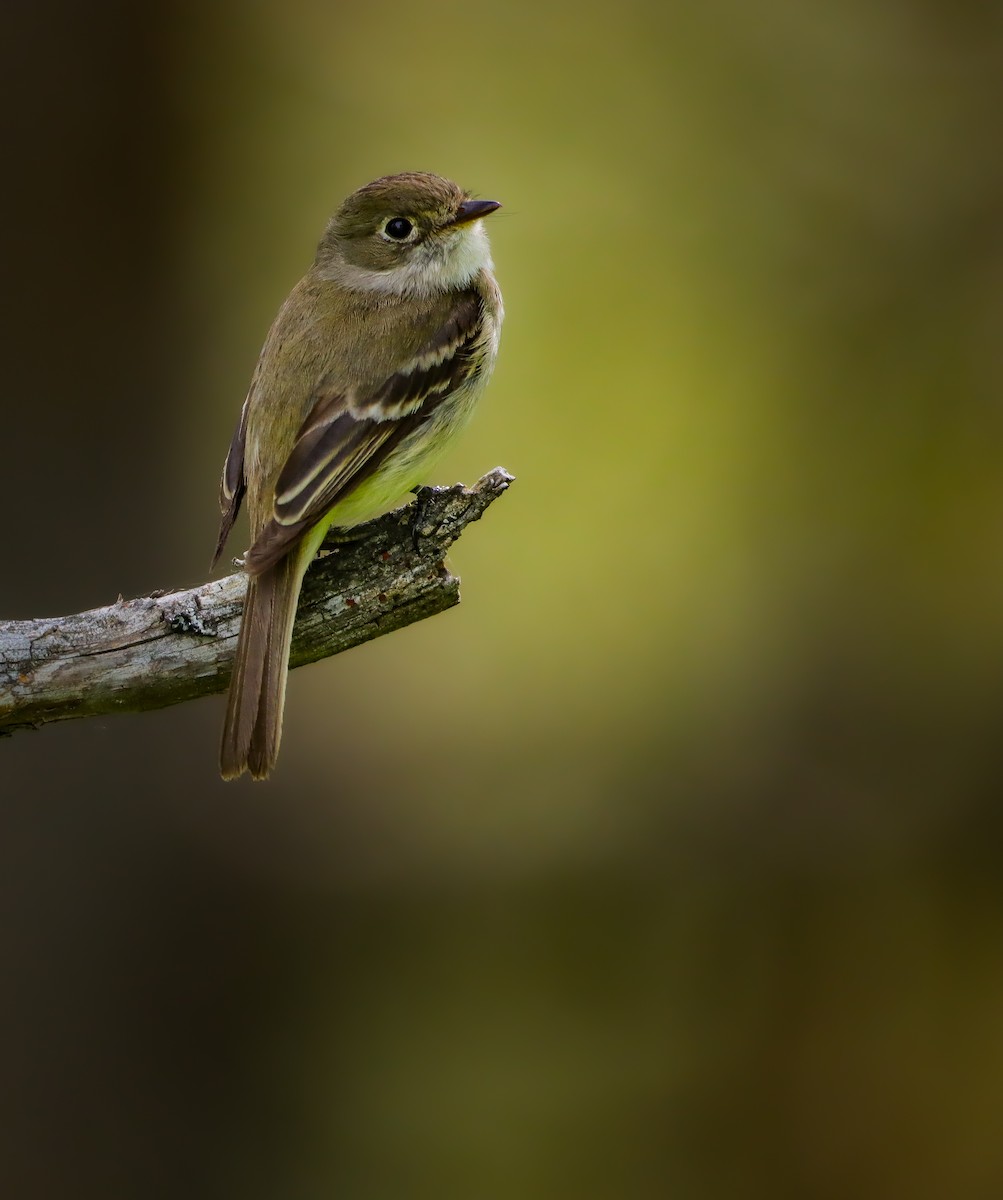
<point>671,863</point>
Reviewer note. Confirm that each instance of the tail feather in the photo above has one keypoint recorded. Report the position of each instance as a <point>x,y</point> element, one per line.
<point>252,728</point>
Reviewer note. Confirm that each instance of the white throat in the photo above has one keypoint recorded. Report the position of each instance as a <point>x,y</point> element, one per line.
<point>444,264</point>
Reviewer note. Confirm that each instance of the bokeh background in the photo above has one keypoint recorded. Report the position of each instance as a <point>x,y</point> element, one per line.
<point>671,863</point>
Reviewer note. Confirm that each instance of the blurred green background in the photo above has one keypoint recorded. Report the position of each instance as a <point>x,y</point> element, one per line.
<point>671,863</point>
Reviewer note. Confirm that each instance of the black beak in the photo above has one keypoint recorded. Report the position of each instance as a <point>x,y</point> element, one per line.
<point>473,210</point>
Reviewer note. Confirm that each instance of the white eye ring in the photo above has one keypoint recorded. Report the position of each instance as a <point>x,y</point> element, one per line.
<point>402,235</point>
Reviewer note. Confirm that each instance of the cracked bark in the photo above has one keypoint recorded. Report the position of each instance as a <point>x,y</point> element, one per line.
<point>167,648</point>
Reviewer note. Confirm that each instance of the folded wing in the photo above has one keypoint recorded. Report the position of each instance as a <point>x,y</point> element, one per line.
<point>233,485</point>
<point>347,438</point>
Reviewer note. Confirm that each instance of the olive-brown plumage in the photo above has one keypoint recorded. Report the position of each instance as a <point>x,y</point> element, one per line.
<point>372,365</point>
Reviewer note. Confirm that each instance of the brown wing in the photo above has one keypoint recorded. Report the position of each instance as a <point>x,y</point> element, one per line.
<point>232,485</point>
<point>347,438</point>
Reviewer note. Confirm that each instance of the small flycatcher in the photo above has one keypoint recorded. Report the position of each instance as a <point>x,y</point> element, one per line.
<point>373,364</point>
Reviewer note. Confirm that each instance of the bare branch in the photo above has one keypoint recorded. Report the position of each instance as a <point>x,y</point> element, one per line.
<point>165,648</point>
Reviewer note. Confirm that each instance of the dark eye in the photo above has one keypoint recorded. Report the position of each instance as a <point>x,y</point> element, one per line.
<point>398,228</point>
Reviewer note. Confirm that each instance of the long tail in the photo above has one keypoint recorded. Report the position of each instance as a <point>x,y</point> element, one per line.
<point>253,725</point>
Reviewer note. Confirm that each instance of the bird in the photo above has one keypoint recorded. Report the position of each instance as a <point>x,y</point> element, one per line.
<point>373,364</point>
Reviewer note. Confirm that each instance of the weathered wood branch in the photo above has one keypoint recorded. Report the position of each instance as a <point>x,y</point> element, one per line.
<point>170,647</point>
